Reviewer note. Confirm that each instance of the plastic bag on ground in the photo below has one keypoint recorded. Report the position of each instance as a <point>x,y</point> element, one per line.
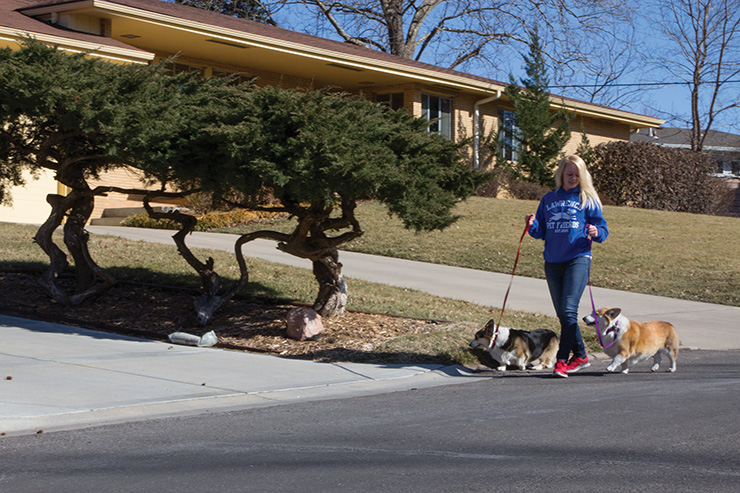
<point>209,339</point>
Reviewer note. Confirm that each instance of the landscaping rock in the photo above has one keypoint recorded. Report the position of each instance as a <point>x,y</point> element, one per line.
<point>304,323</point>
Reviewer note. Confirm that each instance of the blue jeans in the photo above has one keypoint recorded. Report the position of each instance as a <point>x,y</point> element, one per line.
<point>566,281</point>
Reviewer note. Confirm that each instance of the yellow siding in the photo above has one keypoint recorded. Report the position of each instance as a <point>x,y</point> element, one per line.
<point>29,201</point>
<point>123,178</point>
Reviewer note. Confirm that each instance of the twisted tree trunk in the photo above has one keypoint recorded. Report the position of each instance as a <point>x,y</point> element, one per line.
<point>88,273</point>
<point>332,297</point>
<point>309,240</point>
<point>57,258</point>
<point>91,278</point>
<point>210,301</point>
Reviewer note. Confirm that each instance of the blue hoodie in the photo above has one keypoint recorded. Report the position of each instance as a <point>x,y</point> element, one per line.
<point>562,223</point>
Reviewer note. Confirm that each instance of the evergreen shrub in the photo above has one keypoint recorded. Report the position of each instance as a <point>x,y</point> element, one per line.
<point>648,176</point>
<point>209,221</point>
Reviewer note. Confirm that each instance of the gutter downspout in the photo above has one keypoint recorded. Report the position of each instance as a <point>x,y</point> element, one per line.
<point>476,128</point>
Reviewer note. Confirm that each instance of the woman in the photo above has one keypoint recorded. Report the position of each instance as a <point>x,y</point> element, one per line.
<point>567,219</point>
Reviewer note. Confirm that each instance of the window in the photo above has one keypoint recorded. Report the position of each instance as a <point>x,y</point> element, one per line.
<point>174,68</point>
<point>508,135</point>
<point>236,77</point>
<point>394,100</point>
<point>438,110</point>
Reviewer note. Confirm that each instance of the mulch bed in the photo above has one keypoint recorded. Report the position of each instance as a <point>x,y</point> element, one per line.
<point>154,312</point>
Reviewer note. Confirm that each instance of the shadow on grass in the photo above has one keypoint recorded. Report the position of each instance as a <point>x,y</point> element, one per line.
<point>137,275</point>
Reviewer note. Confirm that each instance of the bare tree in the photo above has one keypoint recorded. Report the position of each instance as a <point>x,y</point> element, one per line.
<point>245,9</point>
<point>453,33</point>
<point>703,51</point>
<point>598,67</point>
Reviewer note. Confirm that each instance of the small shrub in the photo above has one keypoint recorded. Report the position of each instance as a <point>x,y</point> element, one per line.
<point>504,179</point>
<point>144,221</point>
<point>523,190</point>
<point>500,179</point>
<point>211,220</point>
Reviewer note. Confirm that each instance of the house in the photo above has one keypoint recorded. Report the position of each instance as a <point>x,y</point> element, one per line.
<point>146,31</point>
<point>723,147</point>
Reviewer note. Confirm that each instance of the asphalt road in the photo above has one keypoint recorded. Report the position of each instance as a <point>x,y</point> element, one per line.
<point>510,432</point>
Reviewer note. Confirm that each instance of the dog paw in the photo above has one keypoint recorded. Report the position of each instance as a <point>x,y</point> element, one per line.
<point>611,368</point>
<point>625,371</point>
<point>654,368</point>
<point>671,370</point>
<point>538,367</point>
<point>501,368</point>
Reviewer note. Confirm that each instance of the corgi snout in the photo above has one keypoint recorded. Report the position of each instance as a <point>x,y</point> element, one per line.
<point>589,320</point>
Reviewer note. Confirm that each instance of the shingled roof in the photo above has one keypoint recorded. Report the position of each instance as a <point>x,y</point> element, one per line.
<point>681,137</point>
<point>13,21</point>
<point>21,12</point>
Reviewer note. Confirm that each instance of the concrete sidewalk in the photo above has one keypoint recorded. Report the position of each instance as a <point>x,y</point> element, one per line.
<point>55,377</point>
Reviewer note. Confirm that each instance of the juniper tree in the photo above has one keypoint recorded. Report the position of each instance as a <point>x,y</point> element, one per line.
<point>319,153</point>
<point>79,117</point>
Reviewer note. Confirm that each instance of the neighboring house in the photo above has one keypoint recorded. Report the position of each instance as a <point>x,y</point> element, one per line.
<point>723,147</point>
<point>143,31</point>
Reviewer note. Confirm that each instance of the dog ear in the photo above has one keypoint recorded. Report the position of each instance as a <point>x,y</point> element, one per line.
<point>613,313</point>
<point>489,327</point>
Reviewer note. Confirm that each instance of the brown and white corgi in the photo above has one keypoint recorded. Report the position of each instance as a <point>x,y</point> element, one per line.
<point>635,341</point>
<point>519,348</point>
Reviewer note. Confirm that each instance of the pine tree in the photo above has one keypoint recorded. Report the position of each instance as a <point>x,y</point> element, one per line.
<point>540,133</point>
<point>585,151</point>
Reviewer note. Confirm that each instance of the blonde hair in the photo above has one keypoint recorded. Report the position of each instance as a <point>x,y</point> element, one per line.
<point>589,196</point>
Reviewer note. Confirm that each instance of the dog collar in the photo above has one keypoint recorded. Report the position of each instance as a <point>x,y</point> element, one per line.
<point>615,328</point>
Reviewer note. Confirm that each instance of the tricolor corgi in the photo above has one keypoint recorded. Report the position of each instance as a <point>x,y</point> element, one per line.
<point>629,342</point>
<point>519,348</point>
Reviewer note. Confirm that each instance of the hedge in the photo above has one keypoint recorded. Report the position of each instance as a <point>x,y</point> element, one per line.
<point>649,176</point>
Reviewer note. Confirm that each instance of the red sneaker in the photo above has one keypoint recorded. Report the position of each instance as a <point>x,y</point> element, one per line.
<point>577,363</point>
<point>561,369</point>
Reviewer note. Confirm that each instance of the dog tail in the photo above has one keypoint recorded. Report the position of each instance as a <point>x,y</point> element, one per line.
<point>672,342</point>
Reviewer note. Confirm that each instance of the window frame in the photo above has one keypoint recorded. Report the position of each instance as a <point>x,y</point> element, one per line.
<point>394,100</point>
<point>508,138</point>
<point>437,110</point>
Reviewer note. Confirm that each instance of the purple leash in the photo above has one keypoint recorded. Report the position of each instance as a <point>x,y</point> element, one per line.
<point>593,306</point>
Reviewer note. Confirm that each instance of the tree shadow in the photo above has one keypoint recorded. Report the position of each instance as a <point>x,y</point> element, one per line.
<point>151,305</point>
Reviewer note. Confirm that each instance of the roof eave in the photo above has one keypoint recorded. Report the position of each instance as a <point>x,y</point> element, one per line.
<point>584,109</point>
<point>112,53</point>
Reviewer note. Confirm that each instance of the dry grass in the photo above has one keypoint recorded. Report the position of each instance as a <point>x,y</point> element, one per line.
<point>277,283</point>
<point>679,255</point>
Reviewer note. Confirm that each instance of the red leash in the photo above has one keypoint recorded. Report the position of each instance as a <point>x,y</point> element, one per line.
<point>503,307</point>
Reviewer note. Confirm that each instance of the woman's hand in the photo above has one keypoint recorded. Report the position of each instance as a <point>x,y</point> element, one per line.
<point>593,232</point>
<point>529,220</point>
